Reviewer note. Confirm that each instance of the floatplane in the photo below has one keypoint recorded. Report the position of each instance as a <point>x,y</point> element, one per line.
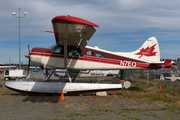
<point>71,52</point>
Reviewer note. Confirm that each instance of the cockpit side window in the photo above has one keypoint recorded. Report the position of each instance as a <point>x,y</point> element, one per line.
<point>99,55</point>
<point>90,52</point>
<point>75,53</point>
<point>56,50</point>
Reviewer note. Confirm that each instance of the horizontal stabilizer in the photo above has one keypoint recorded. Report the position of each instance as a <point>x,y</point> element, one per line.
<point>167,63</point>
<point>47,31</point>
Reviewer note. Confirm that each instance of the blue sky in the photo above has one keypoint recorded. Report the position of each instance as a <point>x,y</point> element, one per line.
<point>124,25</point>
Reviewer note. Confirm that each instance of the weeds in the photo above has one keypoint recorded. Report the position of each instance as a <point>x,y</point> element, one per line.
<point>174,107</point>
<point>151,92</point>
<point>77,114</point>
<point>109,110</point>
<point>133,118</point>
<point>155,98</point>
<point>92,110</point>
<point>152,115</point>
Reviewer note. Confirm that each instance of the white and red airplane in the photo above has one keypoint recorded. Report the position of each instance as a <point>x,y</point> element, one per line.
<point>70,52</point>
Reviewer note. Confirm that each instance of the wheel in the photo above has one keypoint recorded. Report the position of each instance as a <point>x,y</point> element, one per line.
<point>6,78</point>
<point>24,78</point>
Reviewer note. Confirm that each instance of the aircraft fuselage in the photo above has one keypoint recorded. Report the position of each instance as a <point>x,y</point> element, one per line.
<point>90,58</point>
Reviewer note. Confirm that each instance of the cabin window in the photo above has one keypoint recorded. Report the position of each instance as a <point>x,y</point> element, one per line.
<point>99,55</point>
<point>90,52</point>
<point>75,53</point>
<point>56,50</point>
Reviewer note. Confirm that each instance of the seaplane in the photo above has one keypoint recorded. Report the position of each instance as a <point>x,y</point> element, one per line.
<point>71,52</point>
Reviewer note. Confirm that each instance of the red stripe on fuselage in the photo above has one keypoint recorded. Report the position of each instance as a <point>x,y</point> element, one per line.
<point>100,60</point>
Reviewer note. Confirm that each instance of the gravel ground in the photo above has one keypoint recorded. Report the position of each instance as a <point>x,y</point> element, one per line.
<point>15,106</point>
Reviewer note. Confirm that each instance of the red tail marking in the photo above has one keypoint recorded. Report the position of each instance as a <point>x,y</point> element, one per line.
<point>149,51</point>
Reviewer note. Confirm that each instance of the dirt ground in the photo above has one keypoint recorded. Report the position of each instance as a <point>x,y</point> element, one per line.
<point>15,106</point>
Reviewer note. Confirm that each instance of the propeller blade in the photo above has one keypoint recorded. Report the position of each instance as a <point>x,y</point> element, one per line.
<point>29,57</point>
<point>29,50</point>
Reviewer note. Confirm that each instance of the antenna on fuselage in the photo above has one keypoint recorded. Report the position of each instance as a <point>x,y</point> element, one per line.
<point>96,46</point>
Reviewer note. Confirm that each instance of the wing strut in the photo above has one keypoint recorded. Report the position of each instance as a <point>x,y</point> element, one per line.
<point>65,51</point>
<point>65,46</point>
<point>69,77</point>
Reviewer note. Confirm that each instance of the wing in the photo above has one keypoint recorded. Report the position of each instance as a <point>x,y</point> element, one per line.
<point>75,30</point>
<point>72,31</point>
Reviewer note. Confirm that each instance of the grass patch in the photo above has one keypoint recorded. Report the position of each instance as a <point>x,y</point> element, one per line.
<point>7,91</point>
<point>123,115</point>
<point>135,88</point>
<point>155,98</point>
<point>133,118</point>
<point>126,110</point>
<point>174,107</point>
<point>77,115</point>
<point>120,113</point>
<point>151,92</point>
<point>152,115</point>
<point>109,110</point>
<point>92,110</point>
<point>138,110</point>
<point>2,80</point>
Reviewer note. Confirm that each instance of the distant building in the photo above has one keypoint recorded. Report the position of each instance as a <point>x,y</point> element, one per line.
<point>1,63</point>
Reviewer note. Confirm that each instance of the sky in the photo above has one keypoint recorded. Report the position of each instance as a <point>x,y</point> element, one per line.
<point>124,25</point>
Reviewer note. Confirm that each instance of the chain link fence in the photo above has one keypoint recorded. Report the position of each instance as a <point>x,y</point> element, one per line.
<point>152,77</point>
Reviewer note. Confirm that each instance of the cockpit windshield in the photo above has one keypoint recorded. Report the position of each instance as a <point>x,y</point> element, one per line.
<point>52,46</point>
<point>71,50</point>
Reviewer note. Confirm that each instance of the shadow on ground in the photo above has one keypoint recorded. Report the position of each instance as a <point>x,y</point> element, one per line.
<point>41,98</point>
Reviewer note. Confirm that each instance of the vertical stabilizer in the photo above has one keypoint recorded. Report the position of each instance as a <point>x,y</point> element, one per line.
<point>149,50</point>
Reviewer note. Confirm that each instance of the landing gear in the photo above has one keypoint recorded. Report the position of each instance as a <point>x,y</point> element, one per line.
<point>46,76</point>
<point>68,75</point>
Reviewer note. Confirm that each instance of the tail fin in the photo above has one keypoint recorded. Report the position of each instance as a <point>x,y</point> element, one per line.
<point>149,50</point>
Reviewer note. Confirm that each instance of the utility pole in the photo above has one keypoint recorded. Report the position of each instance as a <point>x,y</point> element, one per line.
<point>14,14</point>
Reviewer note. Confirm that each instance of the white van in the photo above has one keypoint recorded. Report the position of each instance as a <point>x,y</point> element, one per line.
<point>14,73</point>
